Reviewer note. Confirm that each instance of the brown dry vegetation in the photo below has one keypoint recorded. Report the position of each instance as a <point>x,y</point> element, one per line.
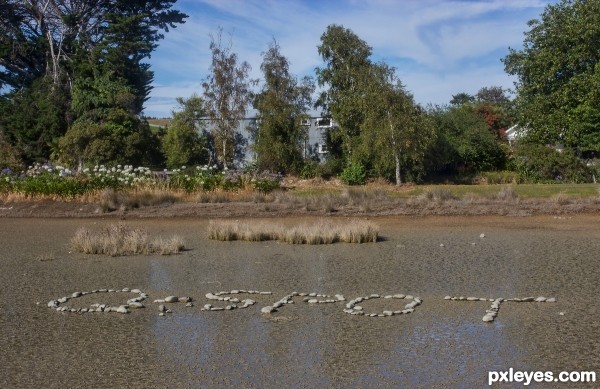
<point>118,240</point>
<point>321,232</point>
<point>329,199</point>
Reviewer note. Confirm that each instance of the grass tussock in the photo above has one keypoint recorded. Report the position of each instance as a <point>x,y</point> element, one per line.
<point>321,232</point>
<point>506,194</point>
<point>438,195</point>
<point>119,240</point>
<point>110,200</point>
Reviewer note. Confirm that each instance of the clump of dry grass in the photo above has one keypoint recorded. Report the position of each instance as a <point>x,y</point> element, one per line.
<point>562,199</point>
<point>438,195</point>
<point>118,240</point>
<point>321,232</point>
<point>110,200</point>
<point>506,194</point>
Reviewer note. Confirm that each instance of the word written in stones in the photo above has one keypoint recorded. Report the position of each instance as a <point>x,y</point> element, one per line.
<point>233,300</point>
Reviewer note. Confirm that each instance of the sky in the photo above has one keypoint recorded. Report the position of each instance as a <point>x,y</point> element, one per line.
<point>438,47</point>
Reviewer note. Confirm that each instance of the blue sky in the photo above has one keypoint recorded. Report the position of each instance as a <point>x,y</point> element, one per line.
<point>439,47</point>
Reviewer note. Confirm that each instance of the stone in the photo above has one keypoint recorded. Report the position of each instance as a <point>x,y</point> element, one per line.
<point>125,290</point>
<point>185,299</point>
<point>409,297</point>
<point>267,309</point>
<point>551,300</point>
<point>313,301</point>
<point>76,294</point>
<point>235,291</point>
<point>388,313</point>
<point>482,235</point>
<point>162,308</point>
<point>159,301</point>
<point>401,296</point>
<point>189,304</point>
<point>122,309</point>
<point>447,298</point>
<point>171,299</point>
<point>249,302</point>
<point>488,318</point>
<point>136,291</point>
<point>265,293</point>
<point>358,308</point>
<point>472,298</point>
<point>540,299</point>
<point>136,305</point>
<point>161,314</point>
<point>528,299</point>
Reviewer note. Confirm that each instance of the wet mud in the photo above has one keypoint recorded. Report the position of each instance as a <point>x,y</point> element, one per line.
<point>441,344</point>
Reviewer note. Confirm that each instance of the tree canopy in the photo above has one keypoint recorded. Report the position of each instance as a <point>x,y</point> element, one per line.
<point>558,70</point>
<point>60,50</point>
<point>282,104</point>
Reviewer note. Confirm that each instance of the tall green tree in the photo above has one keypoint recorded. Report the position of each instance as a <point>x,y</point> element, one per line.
<point>347,64</point>
<point>69,43</point>
<point>559,75</point>
<point>282,103</point>
<point>186,139</point>
<point>395,133</point>
<point>107,130</point>
<point>227,95</point>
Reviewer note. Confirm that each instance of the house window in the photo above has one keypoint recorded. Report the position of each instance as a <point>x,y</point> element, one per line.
<point>321,149</point>
<point>324,123</point>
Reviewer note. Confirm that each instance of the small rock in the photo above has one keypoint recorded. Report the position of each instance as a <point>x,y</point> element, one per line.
<point>358,308</point>
<point>401,296</point>
<point>488,318</point>
<point>162,308</point>
<point>447,298</point>
<point>482,235</point>
<point>125,290</point>
<point>208,306</point>
<point>185,299</point>
<point>313,301</point>
<point>551,300</point>
<point>409,297</point>
<point>161,314</point>
<point>540,299</point>
<point>122,309</point>
<point>265,293</point>
<point>388,313</point>
<point>160,301</point>
<point>561,313</point>
<point>267,309</point>
<point>472,298</point>
<point>171,299</point>
<point>136,291</point>
<point>441,245</point>
<point>136,305</point>
<point>76,294</point>
<point>189,304</point>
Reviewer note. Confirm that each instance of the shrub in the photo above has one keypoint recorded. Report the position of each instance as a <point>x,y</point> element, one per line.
<point>538,163</point>
<point>354,174</point>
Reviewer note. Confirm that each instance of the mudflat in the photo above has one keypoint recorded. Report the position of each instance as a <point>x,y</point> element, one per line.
<point>443,343</point>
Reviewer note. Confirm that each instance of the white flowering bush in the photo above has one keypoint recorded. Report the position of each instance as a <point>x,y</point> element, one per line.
<point>46,179</point>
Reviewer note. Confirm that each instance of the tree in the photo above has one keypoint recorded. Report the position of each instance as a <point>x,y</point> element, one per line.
<point>462,98</point>
<point>106,130</point>
<point>466,141</point>
<point>227,94</point>
<point>395,133</point>
<point>281,104</point>
<point>63,42</point>
<point>185,142</point>
<point>347,64</point>
<point>492,95</point>
<point>558,75</point>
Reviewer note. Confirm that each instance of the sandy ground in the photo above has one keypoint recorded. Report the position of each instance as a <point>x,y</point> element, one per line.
<point>442,344</point>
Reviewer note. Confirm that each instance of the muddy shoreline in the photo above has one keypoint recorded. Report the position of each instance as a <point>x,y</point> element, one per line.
<point>441,343</point>
<point>78,209</point>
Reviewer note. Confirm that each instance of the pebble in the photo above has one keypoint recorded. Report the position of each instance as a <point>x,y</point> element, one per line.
<point>136,305</point>
<point>162,308</point>
<point>122,309</point>
<point>267,309</point>
<point>551,300</point>
<point>171,299</point>
<point>488,318</point>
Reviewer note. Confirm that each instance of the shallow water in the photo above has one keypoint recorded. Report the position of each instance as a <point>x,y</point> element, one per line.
<point>442,343</point>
